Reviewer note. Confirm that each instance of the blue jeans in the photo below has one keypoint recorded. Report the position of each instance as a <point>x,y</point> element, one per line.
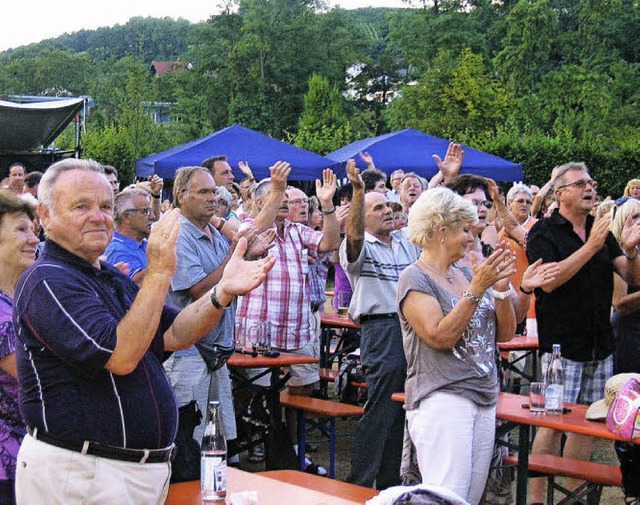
<point>377,448</point>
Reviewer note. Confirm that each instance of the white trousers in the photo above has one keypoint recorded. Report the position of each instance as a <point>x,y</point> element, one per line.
<point>56,476</point>
<point>454,442</point>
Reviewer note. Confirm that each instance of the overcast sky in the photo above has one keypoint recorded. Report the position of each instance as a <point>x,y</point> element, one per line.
<point>28,21</point>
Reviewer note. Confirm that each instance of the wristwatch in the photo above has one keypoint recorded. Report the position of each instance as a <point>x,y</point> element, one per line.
<point>214,299</point>
<point>503,295</point>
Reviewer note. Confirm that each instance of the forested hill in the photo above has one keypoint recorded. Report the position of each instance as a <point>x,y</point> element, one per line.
<point>539,82</point>
<point>163,39</point>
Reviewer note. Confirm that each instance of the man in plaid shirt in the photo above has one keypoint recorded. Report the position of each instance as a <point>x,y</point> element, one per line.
<point>284,300</point>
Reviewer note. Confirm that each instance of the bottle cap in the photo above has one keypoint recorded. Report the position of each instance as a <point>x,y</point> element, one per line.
<point>214,403</point>
<point>556,346</point>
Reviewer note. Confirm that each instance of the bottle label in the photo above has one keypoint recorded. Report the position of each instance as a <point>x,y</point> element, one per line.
<point>213,474</point>
<point>553,397</point>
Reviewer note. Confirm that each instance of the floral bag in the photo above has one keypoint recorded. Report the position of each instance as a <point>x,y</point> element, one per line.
<point>623,417</point>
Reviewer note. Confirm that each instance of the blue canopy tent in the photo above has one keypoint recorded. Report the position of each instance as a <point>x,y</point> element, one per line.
<point>411,151</point>
<point>238,144</point>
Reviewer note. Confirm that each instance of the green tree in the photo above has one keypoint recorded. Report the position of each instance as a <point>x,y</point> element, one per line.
<point>323,125</point>
<point>531,27</point>
<point>457,98</point>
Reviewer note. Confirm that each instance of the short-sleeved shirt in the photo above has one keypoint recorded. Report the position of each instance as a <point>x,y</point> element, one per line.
<point>67,311</point>
<point>12,429</point>
<point>127,250</point>
<point>284,298</point>
<point>467,370</point>
<point>198,256</point>
<point>374,274</point>
<point>577,314</point>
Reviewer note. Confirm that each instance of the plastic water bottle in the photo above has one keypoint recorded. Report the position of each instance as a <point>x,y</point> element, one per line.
<point>554,394</point>
<point>213,462</point>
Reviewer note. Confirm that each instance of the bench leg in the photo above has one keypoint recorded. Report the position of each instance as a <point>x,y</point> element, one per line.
<point>332,448</point>
<point>302,440</point>
<point>550,486</point>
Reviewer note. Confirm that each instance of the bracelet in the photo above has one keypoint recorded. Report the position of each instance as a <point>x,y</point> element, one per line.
<point>214,299</point>
<point>470,296</point>
<point>631,257</point>
<point>328,212</point>
<point>525,292</point>
<point>221,225</point>
<point>503,295</point>
<point>155,196</point>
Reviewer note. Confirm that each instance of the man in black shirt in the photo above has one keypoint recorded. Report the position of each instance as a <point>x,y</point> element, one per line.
<point>574,310</point>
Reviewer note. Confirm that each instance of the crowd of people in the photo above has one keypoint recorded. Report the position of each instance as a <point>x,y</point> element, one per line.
<point>136,301</point>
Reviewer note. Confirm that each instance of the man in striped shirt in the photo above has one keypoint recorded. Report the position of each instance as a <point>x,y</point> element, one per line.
<point>373,256</point>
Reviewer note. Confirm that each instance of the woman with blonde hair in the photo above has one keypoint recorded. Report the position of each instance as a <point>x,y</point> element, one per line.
<point>451,321</point>
<point>632,189</point>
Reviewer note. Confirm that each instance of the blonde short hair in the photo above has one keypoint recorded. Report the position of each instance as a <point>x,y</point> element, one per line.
<point>627,188</point>
<point>621,215</point>
<point>434,209</point>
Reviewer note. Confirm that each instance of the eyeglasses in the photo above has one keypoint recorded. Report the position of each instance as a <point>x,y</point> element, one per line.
<point>479,203</point>
<point>145,210</point>
<point>299,201</point>
<point>581,184</point>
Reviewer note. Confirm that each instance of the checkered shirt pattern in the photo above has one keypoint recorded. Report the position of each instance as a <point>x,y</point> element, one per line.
<point>284,298</point>
<point>583,380</point>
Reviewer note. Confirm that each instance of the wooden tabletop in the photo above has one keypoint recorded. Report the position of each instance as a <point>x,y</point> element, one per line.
<point>510,409</point>
<point>333,487</point>
<point>270,491</point>
<point>519,343</point>
<point>335,321</point>
<point>247,361</point>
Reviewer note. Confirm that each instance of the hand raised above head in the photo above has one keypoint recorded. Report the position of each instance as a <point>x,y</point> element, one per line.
<point>156,184</point>
<point>452,162</point>
<point>353,174</point>
<point>280,171</point>
<point>327,188</point>
<point>367,158</point>
<point>245,169</point>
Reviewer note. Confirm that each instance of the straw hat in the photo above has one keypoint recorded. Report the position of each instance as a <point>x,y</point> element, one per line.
<point>597,411</point>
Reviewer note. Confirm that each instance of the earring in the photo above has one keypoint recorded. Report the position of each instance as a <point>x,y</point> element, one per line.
<point>442,240</point>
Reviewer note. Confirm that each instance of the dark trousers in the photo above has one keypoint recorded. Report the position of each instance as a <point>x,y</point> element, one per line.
<point>377,449</point>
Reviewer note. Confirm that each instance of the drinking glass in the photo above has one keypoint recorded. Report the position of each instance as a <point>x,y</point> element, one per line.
<point>536,397</point>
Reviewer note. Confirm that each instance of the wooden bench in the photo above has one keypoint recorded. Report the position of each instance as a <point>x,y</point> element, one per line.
<point>332,487</point>
<point>331,375</point>
<point>328,374</point>
<point>595,475</point>
<point>307,409</point>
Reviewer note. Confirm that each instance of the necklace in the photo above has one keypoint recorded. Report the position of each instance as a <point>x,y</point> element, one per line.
<point>449,277</point>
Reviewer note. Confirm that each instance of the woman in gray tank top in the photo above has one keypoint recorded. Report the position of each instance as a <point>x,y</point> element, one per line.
<point>451,321</point>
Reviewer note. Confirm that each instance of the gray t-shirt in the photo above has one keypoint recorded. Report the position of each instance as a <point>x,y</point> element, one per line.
<point>469,368</point>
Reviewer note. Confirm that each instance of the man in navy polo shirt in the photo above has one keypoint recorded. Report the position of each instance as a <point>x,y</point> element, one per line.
<point>100,411</point>
<point>133,216</point>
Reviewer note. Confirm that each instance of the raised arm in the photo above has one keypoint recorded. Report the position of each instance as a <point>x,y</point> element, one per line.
<point>356,218</point>
<point>368,159</point>
<point>279,173</point>
<point>330,227</point>
<point>509,222</point>
<point>449,167</point>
